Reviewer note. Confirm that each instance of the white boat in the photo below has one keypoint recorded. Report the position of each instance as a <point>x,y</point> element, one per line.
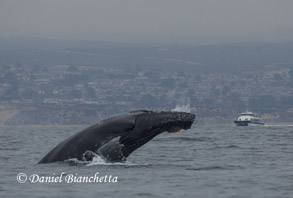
<point>248,118</point>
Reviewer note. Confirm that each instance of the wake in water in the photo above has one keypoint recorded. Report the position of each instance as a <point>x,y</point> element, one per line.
<point>182,106</point>
<point>279,125</point>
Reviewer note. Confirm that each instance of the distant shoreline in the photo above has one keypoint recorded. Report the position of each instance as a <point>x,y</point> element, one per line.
<point>289,124</point>
<point>40,126</point>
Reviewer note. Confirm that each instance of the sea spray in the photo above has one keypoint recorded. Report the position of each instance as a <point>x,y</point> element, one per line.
<point>183,105</point>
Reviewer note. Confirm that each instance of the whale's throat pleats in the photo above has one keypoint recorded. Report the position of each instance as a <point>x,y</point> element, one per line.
<point>112,150</point>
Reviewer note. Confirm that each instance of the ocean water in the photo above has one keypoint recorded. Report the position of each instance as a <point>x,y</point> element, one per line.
<point>205,161</point>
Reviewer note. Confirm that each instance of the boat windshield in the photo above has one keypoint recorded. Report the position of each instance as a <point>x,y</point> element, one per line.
<point>247,114</point>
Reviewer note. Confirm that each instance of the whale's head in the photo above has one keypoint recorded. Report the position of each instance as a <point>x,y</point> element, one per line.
<point>174,121</point>
<point>148,124</point>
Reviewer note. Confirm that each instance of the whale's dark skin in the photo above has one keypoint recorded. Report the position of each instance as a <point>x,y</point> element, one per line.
<point>117,137</point>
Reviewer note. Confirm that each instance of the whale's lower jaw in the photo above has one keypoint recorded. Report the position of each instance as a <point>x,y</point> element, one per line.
<point>174,129</point>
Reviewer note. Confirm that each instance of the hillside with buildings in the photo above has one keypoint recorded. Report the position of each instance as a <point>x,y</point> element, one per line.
<point>68,86</point>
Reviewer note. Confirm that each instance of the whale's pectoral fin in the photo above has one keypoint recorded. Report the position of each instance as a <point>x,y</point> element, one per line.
<point>112,151</point>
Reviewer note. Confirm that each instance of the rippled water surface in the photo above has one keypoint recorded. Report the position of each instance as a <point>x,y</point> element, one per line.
<point>205,161</point>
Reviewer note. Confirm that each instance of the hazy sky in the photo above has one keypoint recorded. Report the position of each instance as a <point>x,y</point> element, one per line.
<point>154,21</point>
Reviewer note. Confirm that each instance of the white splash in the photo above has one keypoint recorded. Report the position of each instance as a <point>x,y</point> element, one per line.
<point>97,160</point>
<point>182,106</point>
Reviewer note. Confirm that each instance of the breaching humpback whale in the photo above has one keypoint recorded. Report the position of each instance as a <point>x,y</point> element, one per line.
<point>115,138</point>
